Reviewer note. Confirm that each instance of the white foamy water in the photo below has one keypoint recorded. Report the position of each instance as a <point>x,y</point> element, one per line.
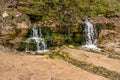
<point>90,35</point>
<point>41,46</point>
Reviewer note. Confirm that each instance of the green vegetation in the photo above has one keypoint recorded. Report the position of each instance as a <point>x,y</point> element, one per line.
<point>11,15</point>
<point>67,11</point>
<point>57,39</point>
<point>21,46</point>
<point>65,14</point>
<point>23,18</point>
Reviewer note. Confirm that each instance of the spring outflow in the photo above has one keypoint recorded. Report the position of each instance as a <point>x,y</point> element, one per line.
<point>90,35</point>
<point>36,36</point>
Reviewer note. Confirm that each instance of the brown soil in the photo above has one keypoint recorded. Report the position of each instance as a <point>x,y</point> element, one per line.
<point>96,59</point>
<point>30,67</point>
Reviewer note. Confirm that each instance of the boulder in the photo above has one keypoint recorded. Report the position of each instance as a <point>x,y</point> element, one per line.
<point>5,14</point>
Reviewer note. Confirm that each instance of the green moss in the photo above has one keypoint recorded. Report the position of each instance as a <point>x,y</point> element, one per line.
<point>77,38</point>
<point>46,31</point>
<point>11,15</point>
<point>57,39</point>
<point>28,34</point>
<point>32,45</point>
<point>68,40</point>
<point>21,46</point>
<point>54,56</point>
<point>118,8</point>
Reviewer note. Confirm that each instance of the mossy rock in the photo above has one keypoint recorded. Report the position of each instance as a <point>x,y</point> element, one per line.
<point>55,40</point>
<point>21,46</point>
<point>46,31</point>
<point>68,40</point>
<point>80,28</point>
<point>77,37</point>
<point>28,34</point>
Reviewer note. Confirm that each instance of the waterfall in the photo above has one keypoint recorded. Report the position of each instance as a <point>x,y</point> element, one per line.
<point>35,32</point>
<point>90,35</point>
<point>41,46</point>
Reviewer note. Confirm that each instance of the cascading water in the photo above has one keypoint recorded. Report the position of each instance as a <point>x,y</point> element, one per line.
<point>41,46</point>
<point>90,35</point>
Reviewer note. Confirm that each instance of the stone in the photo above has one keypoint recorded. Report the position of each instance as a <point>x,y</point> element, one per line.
<point>5,14</point>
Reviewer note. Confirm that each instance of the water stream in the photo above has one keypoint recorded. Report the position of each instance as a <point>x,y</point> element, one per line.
<point>90,35</point>
<point>36,36</point>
